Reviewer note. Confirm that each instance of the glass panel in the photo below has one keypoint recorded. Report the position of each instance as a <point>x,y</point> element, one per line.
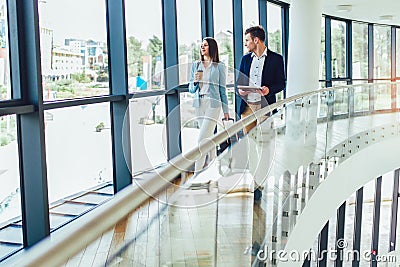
<point>383,97</point>
<point>274,25</point>
<point>398,95</point>
<point>323,104</point>
<point>322,74</point>
<point>360,50</point>
<point>341,104</point>
<point>250,13</point>
<point>349,226</point>
<point>78,149</point>
<point>223,29</point>
<point>144,45</point>
<point>367,218</point>
<point>397,52</point>
<point>361,97</point>
<point>338,35</point>
<point>148,135</point>
<point>5,85</point>
<point>385,215</point>
<point>74,55</point>
<point>332,238</point>
<point>189,125</point>
<point>382,59</point>
<point>189,36</point>
<point>10,198</point>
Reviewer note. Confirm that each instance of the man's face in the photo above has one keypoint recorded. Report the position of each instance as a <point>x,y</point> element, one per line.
<point>249,43</point>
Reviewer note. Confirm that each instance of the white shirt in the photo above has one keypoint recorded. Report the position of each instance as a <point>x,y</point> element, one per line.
<point>205,80</point>
<point>256,70</point>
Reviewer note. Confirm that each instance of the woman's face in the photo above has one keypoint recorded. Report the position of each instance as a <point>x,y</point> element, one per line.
<point>204,49</point>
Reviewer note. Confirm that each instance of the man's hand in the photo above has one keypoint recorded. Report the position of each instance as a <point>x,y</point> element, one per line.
<point>264,91</point>
<point>226,116</point>
<point>243,92</point>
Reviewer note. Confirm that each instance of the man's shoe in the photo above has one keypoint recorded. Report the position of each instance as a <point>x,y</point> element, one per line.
<point>257,194</point>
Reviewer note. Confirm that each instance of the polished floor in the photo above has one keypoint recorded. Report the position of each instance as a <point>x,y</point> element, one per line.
<point>180,234</point>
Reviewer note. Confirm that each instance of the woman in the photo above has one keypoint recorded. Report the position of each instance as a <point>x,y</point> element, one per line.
<point>208,83</point>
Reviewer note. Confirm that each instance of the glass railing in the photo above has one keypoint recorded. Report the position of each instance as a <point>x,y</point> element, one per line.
<point>211,219</point>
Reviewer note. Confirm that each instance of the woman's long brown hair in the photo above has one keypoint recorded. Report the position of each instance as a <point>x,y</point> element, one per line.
<point>212,49</point>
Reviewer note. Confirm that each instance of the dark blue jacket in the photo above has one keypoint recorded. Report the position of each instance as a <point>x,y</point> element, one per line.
<point>273,76</point>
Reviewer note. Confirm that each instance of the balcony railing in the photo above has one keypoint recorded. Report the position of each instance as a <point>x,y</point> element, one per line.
<point>290,153</point>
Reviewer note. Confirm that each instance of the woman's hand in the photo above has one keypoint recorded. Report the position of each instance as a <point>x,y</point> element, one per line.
<point>226,116</point>
<point>196,77</point>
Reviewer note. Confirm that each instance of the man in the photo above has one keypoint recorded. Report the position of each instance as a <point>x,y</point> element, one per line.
<point>260,68</point>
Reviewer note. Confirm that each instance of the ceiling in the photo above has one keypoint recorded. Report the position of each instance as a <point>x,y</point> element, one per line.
<point>363,10</point>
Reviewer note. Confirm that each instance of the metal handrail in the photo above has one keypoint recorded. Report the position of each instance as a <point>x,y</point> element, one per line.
<point>58,248</point>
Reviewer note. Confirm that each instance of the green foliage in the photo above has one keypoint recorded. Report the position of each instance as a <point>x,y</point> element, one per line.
<point>225,48</point>
<point>360,49</point>
<point>154,48</point>
<point>3,92</point>
<point>103,77</point>
<point>100,127</point>
<point>63,86</point>
<point>80,77</point>
<point>338,51</point>
<point>275,41</point>
<point>7,136</point>
<point>135,53</point>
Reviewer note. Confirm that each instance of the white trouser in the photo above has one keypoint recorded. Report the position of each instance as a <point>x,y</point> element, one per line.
<point>207,118</point>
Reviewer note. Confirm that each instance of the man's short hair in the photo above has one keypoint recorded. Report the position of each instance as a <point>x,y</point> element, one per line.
<point>256,31</point>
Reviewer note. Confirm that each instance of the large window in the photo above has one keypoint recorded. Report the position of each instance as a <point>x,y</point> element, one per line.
<point>338,37</point>
<point>223,32</point>
<point>360,50</point>
<point>274,25</point>
<point>148,132</point>
<point>382,47</point>
<point>398,53</point>
<point>10,199</point>
<point>322,74</point>
<point>5,87</point>
<point>74,55</point>
<point>144,45</point>
<point>250,13</point>
<point>250,17</point>
<point>78,149</point>
<point>189,36</point>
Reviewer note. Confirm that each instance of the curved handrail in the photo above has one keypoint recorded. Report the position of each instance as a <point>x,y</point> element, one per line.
<point>77,235</point>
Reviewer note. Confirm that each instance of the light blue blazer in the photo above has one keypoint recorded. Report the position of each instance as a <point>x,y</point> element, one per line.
<point>217,83</point>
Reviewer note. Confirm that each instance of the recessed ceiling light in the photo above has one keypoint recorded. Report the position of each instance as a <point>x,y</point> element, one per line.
<point>344,8</point>
<point>384,18</point>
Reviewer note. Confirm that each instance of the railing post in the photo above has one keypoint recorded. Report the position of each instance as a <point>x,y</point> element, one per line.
<point>395,207</point>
